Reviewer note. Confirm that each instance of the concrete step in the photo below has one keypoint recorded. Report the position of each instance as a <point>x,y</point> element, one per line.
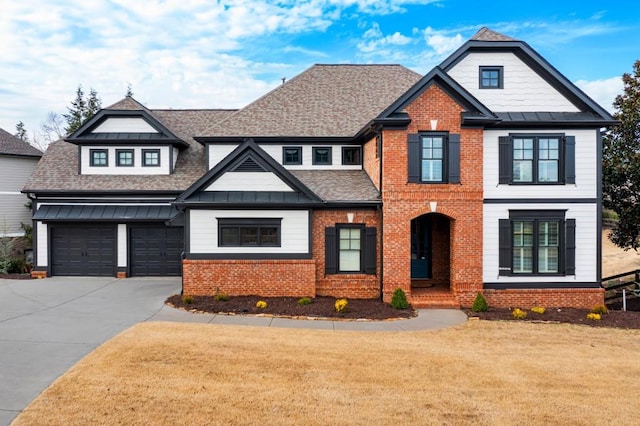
<point>433,299</point>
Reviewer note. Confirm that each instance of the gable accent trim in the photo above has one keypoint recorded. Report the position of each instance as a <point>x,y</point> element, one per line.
<point>248,149</point>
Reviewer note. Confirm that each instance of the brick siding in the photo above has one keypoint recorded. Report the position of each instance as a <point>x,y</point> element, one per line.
<point>549,298</point>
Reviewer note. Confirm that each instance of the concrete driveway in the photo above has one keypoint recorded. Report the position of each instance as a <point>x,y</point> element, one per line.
<point>48,325</point>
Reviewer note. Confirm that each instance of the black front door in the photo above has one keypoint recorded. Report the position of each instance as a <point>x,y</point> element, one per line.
<point>421,247</point>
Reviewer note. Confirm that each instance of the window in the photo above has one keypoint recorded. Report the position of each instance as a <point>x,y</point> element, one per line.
<point>537,243</point>
<point>124,157</point>
<point>351,156</point>
<point>321,156</point>
<point>291,155</point>
<point>151,157</point>
<point>350,249</point>
<point>491,77</point>
<point>537,159</point>
<point>249,232</point>
<point>434,158</point>
<point>99,157</point>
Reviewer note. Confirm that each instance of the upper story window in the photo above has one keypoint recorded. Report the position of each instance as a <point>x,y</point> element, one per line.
<point>292,155</point>
<point>434,157</point>
<point>351,156</point>
<point>99,157</point>
<point>537,243</point>
<point>537,159</point>
<point>249,232</point>
<point>492,77</point>
<point>151,157</point>
<point>321,155</point>
<point>124,157</point>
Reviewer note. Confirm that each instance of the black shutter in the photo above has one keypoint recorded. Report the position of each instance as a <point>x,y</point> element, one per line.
<point>370,258</point>
<point>570,247</point>
<point>330,251</point>
<point>504,160</point>
<point>414,157</point>
<point>454,158</point>
<point>504,254</point>
<point>570,159</point>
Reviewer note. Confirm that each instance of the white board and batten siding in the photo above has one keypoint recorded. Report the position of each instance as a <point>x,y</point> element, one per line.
<point>218,152</point>
<point>586,185</point>
<point>122,245</point>
<point>524,90</point>
<point>125,125</point>
<point>249,181</point>
<point>137,169</point>
<point>42,251</point>
<point>203,231</point>
<point>586,241</point>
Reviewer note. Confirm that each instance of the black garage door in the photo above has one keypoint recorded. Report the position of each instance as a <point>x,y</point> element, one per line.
<point>156,250</point>
<point>83,250</point>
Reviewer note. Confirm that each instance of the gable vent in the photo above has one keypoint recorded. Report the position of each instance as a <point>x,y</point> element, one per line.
<point>249,165</point>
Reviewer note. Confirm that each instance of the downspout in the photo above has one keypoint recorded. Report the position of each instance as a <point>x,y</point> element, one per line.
<point>381,220</point>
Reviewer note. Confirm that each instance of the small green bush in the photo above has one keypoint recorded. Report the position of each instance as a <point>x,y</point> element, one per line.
<point>600,310</point>
<point>305,301</point>
<point>399,299</point>
<point>187,300</point>
<point>480,304</point>
<point>221,297</point>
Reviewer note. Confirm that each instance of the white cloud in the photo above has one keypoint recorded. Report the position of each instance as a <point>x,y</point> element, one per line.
<point>602,91</point>
<point>376,42</point>
<point>441,43</point>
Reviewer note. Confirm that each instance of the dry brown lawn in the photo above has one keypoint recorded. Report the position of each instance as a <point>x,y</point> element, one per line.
<point>478,373</point>
<point>615,260</point>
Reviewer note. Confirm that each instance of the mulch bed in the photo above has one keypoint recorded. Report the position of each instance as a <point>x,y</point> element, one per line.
<point>15,276</point>
<point>321,307</point>
<point>374,309</point>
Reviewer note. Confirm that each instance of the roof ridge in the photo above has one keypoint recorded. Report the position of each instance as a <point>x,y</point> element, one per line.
<point>487,34</point>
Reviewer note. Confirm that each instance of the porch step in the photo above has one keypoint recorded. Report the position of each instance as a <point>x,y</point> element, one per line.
<point>433,298</point>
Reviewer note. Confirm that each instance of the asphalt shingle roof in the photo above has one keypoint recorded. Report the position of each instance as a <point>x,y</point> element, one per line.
<point>58,168</point>
<point>486,34</point>
<point>339,185</point>
<point>323,101</point>
<point>11,145</point>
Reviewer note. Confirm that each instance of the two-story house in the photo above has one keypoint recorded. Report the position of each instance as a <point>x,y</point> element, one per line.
<point>347,180</point>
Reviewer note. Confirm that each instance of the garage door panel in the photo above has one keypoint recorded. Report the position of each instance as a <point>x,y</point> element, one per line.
<point>83,250</point>
<point>156,251</point>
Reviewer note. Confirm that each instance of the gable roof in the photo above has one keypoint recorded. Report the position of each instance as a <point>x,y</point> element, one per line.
<point>247,152</point>
<point>328,101</point>
<point>58,169</point>
<point>476,112</point>
<point>592,114</point>
<point>11,145</point>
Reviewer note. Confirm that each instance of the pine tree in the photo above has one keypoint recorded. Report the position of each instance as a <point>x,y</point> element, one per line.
<point>21,132</point>
<point>94,104</point>
<point>77,112</point>
<point>621,163</point>
<point>129,93</point>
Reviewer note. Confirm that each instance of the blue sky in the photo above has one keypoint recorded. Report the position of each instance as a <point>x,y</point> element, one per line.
<point>224,54</point>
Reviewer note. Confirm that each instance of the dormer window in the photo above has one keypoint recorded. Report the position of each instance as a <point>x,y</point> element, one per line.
<point>99,158</point>
<point>124,157</point>
<point>491,77</point>
<point>151,157</point>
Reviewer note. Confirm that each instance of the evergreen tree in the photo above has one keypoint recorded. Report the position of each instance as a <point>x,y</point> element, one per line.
<point>129,93</point>
<point>621,163</point>
<point>82,109</point>
<point>21,132</point>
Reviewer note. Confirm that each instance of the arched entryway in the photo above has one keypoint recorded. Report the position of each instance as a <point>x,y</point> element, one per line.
<point>430,251</point>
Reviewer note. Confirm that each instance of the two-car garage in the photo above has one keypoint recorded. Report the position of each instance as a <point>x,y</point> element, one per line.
<point>79,246</point>
<point>91,250</point>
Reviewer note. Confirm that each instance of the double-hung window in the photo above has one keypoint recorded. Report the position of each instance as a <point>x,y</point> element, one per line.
<point>249,232</point>
<point>537,243</point>
<point>350,249</point>
<point>537,159</point>
<point>434,157</point>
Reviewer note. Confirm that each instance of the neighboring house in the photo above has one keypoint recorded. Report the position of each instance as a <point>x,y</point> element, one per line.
<point>18,159</point>
<point>348,180</point>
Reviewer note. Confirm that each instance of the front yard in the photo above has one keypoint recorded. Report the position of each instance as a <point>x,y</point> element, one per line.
<point>481,372</point>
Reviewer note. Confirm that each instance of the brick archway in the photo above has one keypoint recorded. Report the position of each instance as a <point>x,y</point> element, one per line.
<point>431,251</point>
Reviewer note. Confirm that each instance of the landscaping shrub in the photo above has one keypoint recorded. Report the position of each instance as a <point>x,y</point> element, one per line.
<point>594,316</point>
<point>399,299</point>
<point>221,297</point>
<point>304,301</point>
<point>261,304</point>
<point>538,310</point>
<point>518,314</point>
<point>187,300</point>
<point>600,310</point>
<point>341,305</point>
<point>480,304</point>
